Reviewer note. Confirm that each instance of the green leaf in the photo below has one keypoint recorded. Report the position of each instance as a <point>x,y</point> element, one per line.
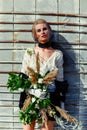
<point>15,82</point>
<point>45,103</point>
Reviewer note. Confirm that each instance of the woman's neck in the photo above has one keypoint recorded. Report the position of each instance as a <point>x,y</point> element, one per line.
<point>44,45</point>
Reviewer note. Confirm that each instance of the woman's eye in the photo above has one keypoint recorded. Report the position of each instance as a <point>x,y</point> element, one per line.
<point>38,30</point>
<point>44,28</point>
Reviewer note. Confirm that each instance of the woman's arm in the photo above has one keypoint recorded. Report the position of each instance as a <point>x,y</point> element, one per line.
<point>61,85</point>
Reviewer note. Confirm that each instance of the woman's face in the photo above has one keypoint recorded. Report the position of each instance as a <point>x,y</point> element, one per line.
<point>43,33</point>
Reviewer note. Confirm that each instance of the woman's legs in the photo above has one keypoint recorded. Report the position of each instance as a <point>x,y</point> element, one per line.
<point>29,127</point>
<point>49,126</point>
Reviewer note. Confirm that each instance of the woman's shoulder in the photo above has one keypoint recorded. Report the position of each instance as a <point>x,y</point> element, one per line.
<point>59,52</point>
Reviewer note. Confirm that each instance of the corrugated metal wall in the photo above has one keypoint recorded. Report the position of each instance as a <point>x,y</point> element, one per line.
<point>68,19</point>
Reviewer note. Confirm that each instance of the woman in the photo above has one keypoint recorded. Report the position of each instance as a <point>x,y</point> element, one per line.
<point>49,59</point>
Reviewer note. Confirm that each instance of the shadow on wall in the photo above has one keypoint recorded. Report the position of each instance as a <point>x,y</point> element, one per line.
<point>61,43</point>
<point>70,72</point>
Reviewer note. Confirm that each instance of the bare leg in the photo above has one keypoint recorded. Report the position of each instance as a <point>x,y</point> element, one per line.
<point>50,126</point>
<point>29,127</point>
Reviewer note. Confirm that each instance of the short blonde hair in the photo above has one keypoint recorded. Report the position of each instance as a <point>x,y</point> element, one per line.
<point>39,21</point>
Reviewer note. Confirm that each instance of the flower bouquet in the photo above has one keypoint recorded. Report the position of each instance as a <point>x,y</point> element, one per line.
<point>37,102</point>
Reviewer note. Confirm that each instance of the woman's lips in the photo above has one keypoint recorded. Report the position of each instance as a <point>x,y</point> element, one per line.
<point>44,36</point>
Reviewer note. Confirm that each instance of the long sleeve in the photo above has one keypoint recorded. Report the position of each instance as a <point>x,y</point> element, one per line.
<point>59,65</point>
<point>61,84</point>
<point>24,63</point>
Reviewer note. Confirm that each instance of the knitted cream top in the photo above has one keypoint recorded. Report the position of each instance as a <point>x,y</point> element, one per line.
<point>54,61</point>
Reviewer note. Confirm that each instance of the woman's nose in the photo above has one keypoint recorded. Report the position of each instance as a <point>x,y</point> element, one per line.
<point>42,31</point>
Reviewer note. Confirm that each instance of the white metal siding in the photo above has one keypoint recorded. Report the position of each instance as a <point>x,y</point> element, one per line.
<point>68,19</point>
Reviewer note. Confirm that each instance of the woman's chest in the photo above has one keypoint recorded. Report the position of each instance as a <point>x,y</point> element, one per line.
<point>46,57</point>
<point>45,66</point>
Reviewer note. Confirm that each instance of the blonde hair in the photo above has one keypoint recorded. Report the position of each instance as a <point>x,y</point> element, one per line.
<point>39,21</point>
